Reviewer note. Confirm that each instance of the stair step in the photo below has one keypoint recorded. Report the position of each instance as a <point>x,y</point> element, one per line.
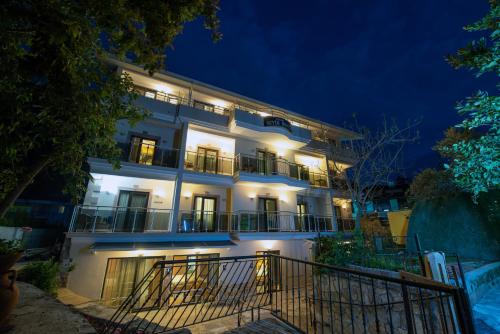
<point>265,326</point>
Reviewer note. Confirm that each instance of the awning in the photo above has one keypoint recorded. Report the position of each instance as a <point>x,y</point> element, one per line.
<point>128,246</point>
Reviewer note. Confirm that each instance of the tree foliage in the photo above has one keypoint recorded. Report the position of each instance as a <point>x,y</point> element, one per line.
<point>475,161</point>
<point>60,98</point>
<point>431,184</point>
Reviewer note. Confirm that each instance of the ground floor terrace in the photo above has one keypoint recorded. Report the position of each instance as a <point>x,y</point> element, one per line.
<point>130,204</point>
<point>310,297</point>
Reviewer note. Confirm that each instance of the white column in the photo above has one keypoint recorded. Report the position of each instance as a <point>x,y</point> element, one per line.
<point>178,181</point>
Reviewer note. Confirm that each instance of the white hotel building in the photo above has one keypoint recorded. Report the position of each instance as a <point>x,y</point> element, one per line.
<point>209,173</point>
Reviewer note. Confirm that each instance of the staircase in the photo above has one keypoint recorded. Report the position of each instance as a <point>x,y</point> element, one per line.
<point>265,326</point>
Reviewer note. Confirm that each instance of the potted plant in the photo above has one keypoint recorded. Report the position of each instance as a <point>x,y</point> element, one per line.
<point>10,252</point>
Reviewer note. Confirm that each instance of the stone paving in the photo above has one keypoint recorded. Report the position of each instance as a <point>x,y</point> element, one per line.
<point>38,312</point>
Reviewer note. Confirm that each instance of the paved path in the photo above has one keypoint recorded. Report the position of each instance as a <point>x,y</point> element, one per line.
<point>38,312</point>
<point>487,312</point>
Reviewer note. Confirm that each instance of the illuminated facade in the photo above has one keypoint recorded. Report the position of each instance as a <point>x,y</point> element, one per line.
<point>209,173</point>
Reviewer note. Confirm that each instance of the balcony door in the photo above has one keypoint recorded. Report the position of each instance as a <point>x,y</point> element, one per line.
<point>132,211</point>
<point>142,150</point>
<point>302,216</point>
<point>207,160</point>
<point>267,271</point>
<point>266,162</point>
<point>194,282</point>
<point>205,213</point>
<point>123,275</point>
<point>268,214</point>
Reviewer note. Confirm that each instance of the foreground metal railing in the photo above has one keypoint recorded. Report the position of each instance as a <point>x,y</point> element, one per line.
<point>88,218</point>
<point>252,221</point>
<point>309,296</point>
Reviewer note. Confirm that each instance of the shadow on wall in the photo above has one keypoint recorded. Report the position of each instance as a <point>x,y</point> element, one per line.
<point>458,225</point>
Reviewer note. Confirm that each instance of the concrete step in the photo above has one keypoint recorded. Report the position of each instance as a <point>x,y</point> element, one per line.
<point>265,326</point>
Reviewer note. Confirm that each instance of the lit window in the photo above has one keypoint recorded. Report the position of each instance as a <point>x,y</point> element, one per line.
<point>151,95</point>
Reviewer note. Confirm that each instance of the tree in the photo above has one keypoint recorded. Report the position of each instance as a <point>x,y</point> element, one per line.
<point>474,161</point>
<point>431,184</point>
<point>60,98</point>
<point>378,157</point>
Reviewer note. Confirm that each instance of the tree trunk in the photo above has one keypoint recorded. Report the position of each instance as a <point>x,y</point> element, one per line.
<point>11,197</point>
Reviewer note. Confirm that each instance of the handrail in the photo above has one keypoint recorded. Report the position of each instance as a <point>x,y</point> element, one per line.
<point>155,155</point>
<point>207,164</point>
<point>92,218</point>
<point>279,166</point>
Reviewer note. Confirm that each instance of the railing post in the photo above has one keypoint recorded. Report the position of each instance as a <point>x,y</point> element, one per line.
<point>95,219</point>
<point>407,307</point>
<point>133,223</point>
<point>73,218</point>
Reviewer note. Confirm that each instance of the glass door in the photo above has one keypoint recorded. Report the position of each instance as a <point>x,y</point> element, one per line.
<point>194,282</point>
<point>124,274</point>
<point>142,150</point>
<point>266,162</point>
<point>267,271</point>
<point>303,218</point>
<point>207,160</point>
<point>131,213</point>
<point>205,213</point>
<point>268,214</point>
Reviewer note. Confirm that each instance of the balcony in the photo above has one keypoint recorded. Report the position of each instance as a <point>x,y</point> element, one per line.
<point>205,163</point>
<point>150,155</point>
<point>252,221</point>
<point>279,167</point>
<point>343,154</point>
<point>105,219</point>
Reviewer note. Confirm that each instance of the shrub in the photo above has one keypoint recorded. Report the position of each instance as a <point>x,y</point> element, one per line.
<point>42,274</point>
<point>341,251</point>
<point>8,247</point>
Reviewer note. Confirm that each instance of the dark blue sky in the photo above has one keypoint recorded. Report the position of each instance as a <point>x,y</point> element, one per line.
<point>330,59</point>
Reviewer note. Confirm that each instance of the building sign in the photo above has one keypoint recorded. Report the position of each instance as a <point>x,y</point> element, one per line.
<point>277,121</point>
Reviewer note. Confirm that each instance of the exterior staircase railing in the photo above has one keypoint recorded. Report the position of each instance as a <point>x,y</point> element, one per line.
<point>312,297</point>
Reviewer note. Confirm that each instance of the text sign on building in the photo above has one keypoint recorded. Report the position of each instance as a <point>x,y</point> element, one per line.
<point>277,121</point>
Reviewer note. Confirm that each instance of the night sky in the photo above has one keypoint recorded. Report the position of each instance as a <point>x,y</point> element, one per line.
<point>330,59</point>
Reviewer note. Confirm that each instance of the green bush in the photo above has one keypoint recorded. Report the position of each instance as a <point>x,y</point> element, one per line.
<point>341,251</point>
<point>43,274</point>
<point>8,247</point>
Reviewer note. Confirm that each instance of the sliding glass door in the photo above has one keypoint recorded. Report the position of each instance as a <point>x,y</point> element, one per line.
<point>131,213</point>
<point>268,214</point>
<point>205,213</point>
<point>123,275</point>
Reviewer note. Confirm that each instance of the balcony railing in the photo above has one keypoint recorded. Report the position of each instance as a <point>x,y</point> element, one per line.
<point>252,221</point>
<point>346,224</point>
<point>96,219</point>
<point>208,164</point>
<point>152,155</point>
<point>175,99</point>
<point>283,167</point>
<point>342,152</point>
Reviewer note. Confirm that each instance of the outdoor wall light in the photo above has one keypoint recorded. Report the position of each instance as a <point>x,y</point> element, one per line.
<point>251,196</point>
<point>188,195</point>
<point>344,206</point>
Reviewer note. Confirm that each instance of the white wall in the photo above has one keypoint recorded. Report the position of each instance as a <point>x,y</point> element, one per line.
<point>88,276</point>
<point>104,190</point>
<point>190,190</point>
<point>164,134</point>
<point>287,199</point>
<point>224,145</point>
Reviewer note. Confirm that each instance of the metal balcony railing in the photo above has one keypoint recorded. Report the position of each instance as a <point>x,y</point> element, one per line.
<point>151,155</point>
<point>343,152</point>
<point>252,221</point>
<point>95,219</point>
<point>282,167</point>
<point>175,99</point>
<point>310,297</point>
<point>204,163</point>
